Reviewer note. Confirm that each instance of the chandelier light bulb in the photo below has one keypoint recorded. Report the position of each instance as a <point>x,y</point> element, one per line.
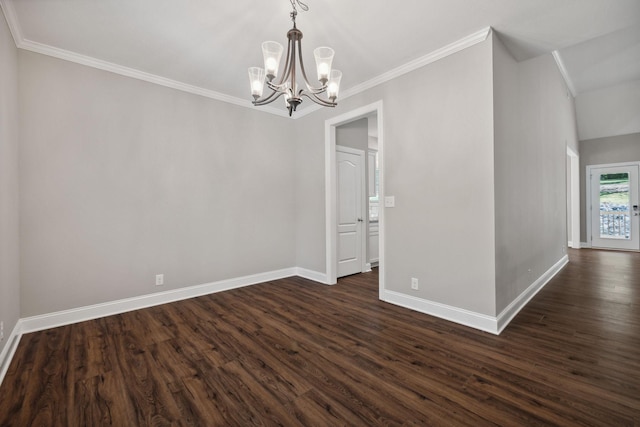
<point>323,70</point>
<point>271,66</point>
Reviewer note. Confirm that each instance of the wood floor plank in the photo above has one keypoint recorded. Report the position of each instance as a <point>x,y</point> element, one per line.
<point>295,353</point>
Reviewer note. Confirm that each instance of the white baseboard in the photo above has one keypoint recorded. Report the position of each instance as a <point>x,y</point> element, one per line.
<point>491,324</point>
<point>10,349</point>
<point>483,322</point>
<point>443,311</point>
<point>81,314</point>
<point>518,304</point>
<point>585,245</point>
<point>312,275</point>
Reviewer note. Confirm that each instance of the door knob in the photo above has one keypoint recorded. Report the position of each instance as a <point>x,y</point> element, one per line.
<point>359,219</point>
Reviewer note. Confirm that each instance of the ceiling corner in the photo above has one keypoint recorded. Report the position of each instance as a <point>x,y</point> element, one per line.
<point>12,21</point>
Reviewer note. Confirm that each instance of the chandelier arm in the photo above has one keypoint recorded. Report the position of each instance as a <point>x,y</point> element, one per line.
<point>289,65</point>
<point>310,88</point>
<point>285,74</point>
<point>293,62</point>
<point>319,101</point>
<point>269,99</point>
<point>316,91</point>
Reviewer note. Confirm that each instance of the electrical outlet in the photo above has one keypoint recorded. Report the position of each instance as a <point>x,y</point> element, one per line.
<point>159,279</point>
<point>414,283</point>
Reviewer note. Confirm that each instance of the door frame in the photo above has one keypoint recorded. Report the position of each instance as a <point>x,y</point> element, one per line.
<point>330,126</point>
<point>363,205</point>
<point>574,185</point>
<point>588,193</point>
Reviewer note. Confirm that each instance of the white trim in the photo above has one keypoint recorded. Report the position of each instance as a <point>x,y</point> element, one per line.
<point>81,314</point>
<point>574,184</point>
<point>483,322</point>
<point>330,185</point>
<point>141,75</point>
<point>564,72</point>
<point>10,349</point>
<point>422,61</point>
<point>454,314</point>
<point>312,275</point>
<point>89,61</point>
<point>507,315</point>
<point>427,59</point>
<point>44,49</point>
<point>472,319</point>
<point>585,245</point>
<point>12,21</point>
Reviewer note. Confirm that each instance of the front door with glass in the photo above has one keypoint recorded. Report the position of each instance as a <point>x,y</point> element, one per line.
<point>615,210</point>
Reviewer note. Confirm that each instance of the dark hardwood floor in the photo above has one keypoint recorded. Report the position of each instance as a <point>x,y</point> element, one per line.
<point>292,352</point>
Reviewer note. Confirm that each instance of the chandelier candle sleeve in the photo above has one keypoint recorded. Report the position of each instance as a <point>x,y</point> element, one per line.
<point>324,58</point>
<point>256,77</point>
<point>272,52</point>
<point>292,82</point>
<point>333,87</point>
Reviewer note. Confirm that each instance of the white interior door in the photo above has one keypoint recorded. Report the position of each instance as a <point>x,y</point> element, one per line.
<point>615,212</point>
<point>350,219</point>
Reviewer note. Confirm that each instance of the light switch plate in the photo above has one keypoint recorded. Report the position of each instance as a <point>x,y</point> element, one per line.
<point>389,202</point>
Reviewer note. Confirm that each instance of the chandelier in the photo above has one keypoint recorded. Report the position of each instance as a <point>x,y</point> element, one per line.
<point>287,84</point>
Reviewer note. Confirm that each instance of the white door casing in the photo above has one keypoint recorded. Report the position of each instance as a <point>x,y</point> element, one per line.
<point>613,223</point>
<point>574,184</point>
<point>330,126</point>
<point>350,176</point>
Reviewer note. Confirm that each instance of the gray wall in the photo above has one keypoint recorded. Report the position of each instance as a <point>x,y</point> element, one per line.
<point>534,123</point>
<point>354,134</point>
<point>609,111</point>
<point>122,179</point>
<point>614,149</point>
<point>9,222</point>
<point>438,156</point>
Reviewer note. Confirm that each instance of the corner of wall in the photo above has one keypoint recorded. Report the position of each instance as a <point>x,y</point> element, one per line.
<point>9,214</point>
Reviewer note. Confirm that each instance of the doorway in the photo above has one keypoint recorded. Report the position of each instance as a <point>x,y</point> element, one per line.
<point>613,206</point>
<point>331,204</point>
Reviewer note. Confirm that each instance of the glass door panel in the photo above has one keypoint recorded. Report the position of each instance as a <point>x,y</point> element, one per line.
<point>615,206</point>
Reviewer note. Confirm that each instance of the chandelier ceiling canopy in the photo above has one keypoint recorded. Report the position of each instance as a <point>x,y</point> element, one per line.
<point>288,84</point>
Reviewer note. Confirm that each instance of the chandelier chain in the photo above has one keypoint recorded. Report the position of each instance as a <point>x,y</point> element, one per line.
<point>302,5</point>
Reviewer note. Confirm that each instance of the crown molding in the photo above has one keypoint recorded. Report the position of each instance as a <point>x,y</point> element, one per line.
<point>12,21</point>
<point>427,59</point>
<point>564,72</point>
<point>137,74</point>
<point>26,44</point>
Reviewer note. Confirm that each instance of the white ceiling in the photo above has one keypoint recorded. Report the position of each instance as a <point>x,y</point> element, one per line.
<point>207,45</point>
